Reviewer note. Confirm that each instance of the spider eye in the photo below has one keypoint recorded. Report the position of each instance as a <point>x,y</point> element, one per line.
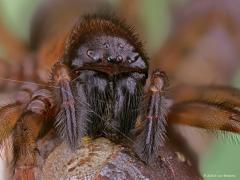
<point>133,59</point>
<point>129,60</point>
<point>120,45</point>
<point>90,53</point>
<point>106,45</point>
<point>119,58</point>
<point>136,57</point>
<point>93,55</point>
<point>110,59</point>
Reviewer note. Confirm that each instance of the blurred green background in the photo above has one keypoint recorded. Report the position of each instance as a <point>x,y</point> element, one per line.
<point>223,157</point>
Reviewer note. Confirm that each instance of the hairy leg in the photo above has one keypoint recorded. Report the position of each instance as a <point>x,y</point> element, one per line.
<point>153,119</point>
<point>209,107</point>
<point>27,130</point>
<point>11,107</point>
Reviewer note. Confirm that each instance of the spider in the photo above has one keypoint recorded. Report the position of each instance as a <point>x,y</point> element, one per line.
<point>97,87</point>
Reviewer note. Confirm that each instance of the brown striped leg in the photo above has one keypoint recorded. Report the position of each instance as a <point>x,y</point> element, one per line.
<point>207,115</point>
<point>11,107</point>
<point>27,131</point>
<point>209,107</point>
<point>154,119</point>
<point>217,93</point>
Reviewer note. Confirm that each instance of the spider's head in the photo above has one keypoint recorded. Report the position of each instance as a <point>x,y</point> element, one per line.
<point>105,45</point>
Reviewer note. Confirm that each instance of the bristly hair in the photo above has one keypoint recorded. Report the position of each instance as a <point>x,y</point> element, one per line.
<point>94,25</point>
<point>153,136</point>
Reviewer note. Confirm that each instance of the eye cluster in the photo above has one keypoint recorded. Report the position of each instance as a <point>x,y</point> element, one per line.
<point>110,49</point>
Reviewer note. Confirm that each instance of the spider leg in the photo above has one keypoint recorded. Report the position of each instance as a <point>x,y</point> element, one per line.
<point>209,107</point>
<point>71,119</point>
<point>27,131</point>
<point>185,92</point>
<point>154,119</point>
<point>11,107</point>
